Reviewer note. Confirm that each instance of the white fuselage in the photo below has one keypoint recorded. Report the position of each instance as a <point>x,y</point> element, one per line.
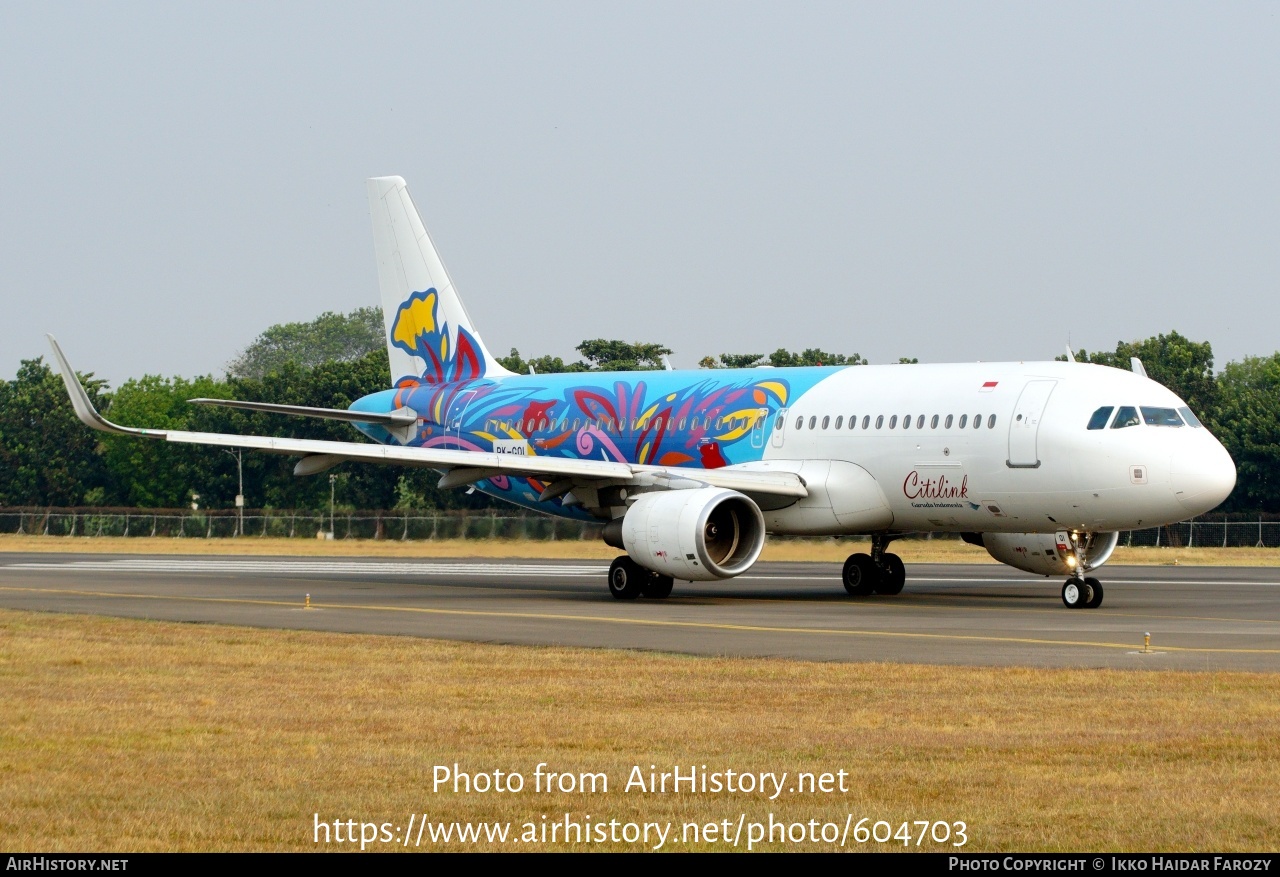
<point>1030,465</point>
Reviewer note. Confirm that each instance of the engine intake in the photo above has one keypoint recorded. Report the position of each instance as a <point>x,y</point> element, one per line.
<point>703,534</point>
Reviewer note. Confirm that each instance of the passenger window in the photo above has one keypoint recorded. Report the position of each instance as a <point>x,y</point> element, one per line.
<point>920,422</point>
<point>906,421</point>
<point>826,421</point>
<point>977,421</point>
<point>839,421</point>
<point>991,422</point>
<point>964,420</point>
<point>1190,418</point>
<point>879,421</point>
<point>1161,417</point>
<point>813,422</point>
<point>893,422</point>
<point>800,422</point>
<point>947,425</point>
<point>933,424</point>
<point>778,423</point>
<point>866,421</point>
<point>1126,416</point>
<point>1101,416</point>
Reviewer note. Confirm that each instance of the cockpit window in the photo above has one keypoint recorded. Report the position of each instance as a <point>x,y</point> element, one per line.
<point>1101,416</point>
<point>1126,416</point>
<point>1160,416</point>
<point>1190,418</point>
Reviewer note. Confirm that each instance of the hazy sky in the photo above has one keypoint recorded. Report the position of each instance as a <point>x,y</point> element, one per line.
<point>951,181</point>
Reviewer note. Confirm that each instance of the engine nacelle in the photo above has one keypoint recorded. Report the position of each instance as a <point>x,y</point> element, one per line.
<point>702,534</point>
<point>1045,554</point>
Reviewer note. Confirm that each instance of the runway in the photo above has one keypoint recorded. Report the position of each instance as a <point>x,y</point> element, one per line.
<point>1199,618</point>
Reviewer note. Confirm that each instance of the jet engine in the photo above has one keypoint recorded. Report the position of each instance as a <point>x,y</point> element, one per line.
<point>1046,554</point>
<point>701,534</point>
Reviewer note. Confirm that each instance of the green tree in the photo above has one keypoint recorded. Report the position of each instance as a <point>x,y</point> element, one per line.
<point>543,365</point>
<point>1247,421</point>
<point>783,358</point>
<point>47,456</point>
<point>732,360</point>
<point>329,337</point>
<point>152,473</point>
<point>622,356</point>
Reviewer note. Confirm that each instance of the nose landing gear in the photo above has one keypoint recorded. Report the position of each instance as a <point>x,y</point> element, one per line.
<point>1082,593</point>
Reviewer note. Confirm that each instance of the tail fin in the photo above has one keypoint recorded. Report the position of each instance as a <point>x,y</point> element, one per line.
<point>430,337</point>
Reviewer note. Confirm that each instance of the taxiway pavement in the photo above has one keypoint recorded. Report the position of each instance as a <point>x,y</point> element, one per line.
<point>1199,618</point>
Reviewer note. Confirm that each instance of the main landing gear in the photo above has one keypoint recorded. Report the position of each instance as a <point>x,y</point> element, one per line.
<point>628,580</point>
<point>1080,593</point>
<point>878,572</point>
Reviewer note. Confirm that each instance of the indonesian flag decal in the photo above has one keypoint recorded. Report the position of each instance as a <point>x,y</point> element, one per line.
<point>988,386</point>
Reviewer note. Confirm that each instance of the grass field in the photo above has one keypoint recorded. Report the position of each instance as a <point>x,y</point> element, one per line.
<point>823,550</point>
<point>135,735</point>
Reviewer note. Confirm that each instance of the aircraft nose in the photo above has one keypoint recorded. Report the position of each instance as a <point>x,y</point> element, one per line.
<point>1203,477</point>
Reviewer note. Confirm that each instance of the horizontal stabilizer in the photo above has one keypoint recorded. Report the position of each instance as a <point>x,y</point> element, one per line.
<point>399,417</point>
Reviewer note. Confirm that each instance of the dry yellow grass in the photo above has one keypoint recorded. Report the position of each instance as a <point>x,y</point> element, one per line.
<point>819,550</point>
<point>132,735</point>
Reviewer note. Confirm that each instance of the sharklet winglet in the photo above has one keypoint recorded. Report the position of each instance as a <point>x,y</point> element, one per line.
<point>80,401</point>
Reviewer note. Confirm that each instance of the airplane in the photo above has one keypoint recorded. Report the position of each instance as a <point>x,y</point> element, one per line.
<point>1040,463</point>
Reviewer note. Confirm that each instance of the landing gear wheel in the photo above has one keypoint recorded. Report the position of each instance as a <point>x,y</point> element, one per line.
<point>1076,594</point>
<point>626,578</point>
<point>860,575</point>
<point>658,587</point>
<point>893,576</point>
<point>1096,600</point>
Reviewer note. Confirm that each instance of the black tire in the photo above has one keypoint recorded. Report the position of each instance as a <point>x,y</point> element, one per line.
<point>658,587</point>
<point>1096,600</point>
<point>626,578</point>
<point>1075,594</point>
<point>893,576</point>
<point>860,575</point>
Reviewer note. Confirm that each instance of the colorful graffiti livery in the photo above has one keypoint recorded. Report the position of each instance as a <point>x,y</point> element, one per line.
<point>418,332</point>
<point>649,418</point>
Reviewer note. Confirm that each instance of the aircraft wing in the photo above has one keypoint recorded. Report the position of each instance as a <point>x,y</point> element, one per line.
<point>460,467</point>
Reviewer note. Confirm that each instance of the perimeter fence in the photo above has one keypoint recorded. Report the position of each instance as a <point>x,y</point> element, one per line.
<point>1224,531</point>
<point>292,524</point>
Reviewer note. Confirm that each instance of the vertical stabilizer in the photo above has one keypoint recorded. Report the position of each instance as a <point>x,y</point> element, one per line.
<point>430,338</point>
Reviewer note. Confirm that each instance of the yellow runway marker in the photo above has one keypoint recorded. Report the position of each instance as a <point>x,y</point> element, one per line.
<point>649,622</point>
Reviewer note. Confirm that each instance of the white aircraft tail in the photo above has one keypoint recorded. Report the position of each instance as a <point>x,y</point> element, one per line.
<point>430,337</point>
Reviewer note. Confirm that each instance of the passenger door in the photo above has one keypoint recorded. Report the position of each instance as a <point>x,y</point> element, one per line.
<point>1024,426</point>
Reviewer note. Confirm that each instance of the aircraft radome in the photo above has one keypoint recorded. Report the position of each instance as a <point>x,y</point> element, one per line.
<point>1042,463</point>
